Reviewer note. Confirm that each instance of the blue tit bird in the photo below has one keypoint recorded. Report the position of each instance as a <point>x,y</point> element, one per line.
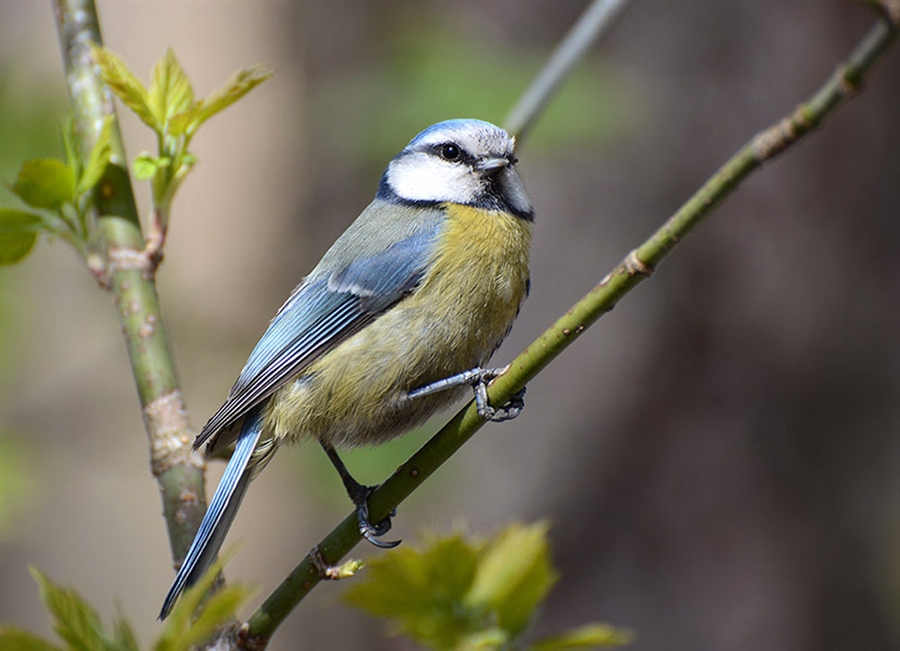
<point>395,323</point>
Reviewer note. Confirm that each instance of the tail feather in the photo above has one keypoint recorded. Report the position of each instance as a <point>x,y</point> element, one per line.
<point>220,514</point>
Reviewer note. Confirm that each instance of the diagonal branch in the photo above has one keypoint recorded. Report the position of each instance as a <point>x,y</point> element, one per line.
<point>636,266</point>
<point>595,21</point>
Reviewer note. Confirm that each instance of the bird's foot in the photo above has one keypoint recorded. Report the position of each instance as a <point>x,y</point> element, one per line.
<point>371,532</point>
<point>508,410</point>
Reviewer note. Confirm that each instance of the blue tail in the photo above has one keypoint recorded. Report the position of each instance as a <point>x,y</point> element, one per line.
<point>218,518</point>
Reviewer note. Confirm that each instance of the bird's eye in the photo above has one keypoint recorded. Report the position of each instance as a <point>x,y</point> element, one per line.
<point>449,151</point>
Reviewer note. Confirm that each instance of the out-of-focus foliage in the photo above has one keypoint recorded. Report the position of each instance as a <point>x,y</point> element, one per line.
<point>27,126</point>
<point>45,183</point>
<point>75,622</point>
<point>194,619</point>
<point>59,194</point>
<point>17,484</point>
<point>18,233</point>
<point>590,636</point>
<point>462,594</point>
<point>423,81</point>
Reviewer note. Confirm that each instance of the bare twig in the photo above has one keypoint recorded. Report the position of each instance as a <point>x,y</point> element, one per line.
<point>596,20</point>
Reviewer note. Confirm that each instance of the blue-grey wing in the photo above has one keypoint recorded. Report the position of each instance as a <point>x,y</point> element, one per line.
<point>381,280</point>
<point>324,310</point>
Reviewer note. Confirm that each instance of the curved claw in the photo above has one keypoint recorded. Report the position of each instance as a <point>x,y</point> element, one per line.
<point>372,532</point>
<point>359,495</point>
<point>381,544</point>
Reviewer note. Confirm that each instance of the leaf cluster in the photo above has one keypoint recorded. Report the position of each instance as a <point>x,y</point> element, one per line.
<point>194,620</point>
<point>59,194</point>
<point>168,106</point>
<point>461,594</point>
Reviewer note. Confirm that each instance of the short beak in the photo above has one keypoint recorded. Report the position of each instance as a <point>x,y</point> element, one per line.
<point>492,164</point>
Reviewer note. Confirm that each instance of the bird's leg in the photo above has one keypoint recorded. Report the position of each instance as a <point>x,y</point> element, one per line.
<point>478,378</point>
<point>359,495</point>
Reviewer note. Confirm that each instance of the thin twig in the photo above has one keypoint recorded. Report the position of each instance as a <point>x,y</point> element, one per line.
<point>596,20</point>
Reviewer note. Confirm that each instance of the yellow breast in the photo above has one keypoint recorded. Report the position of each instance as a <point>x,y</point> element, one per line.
<point>453,321</point>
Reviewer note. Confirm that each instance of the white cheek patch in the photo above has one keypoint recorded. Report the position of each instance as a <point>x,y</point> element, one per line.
<point>423,177</point>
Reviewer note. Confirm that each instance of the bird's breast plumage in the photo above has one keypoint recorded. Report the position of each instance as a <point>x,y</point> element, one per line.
<point>460,312</point>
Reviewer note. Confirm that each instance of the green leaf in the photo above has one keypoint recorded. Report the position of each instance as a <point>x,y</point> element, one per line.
<point>488,639</point>
<point>422,592</point>
<point>74,619</point>
<point>20,221</point>
<point>170,89</point>
<point>188,625</point>
<point>240,83</point>
<point>18,233</point>
<point>123,634</point>
<point>218,610</point>
<point>145,166</point>
<point>16,639</point>
<point>125,85</point>
<point>98,159</point>
<point>72,144</point>
<point>590,636</point>
<point>45,183</point>
<point>180,122</point>
<point>514,576</point>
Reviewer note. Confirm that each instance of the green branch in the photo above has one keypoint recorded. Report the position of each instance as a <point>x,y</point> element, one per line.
<point>636,266</point>
<point>124,272</point>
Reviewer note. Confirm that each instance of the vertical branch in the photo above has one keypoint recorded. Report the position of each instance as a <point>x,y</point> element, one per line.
<point>127,276</point>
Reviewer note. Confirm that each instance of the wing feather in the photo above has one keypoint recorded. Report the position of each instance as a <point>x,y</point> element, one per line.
<point>322,312</point>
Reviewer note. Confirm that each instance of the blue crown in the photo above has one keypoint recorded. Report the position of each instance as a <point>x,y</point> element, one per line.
<point>455,124</point>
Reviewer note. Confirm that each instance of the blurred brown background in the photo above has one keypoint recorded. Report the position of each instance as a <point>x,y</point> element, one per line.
<point>720,457</point>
